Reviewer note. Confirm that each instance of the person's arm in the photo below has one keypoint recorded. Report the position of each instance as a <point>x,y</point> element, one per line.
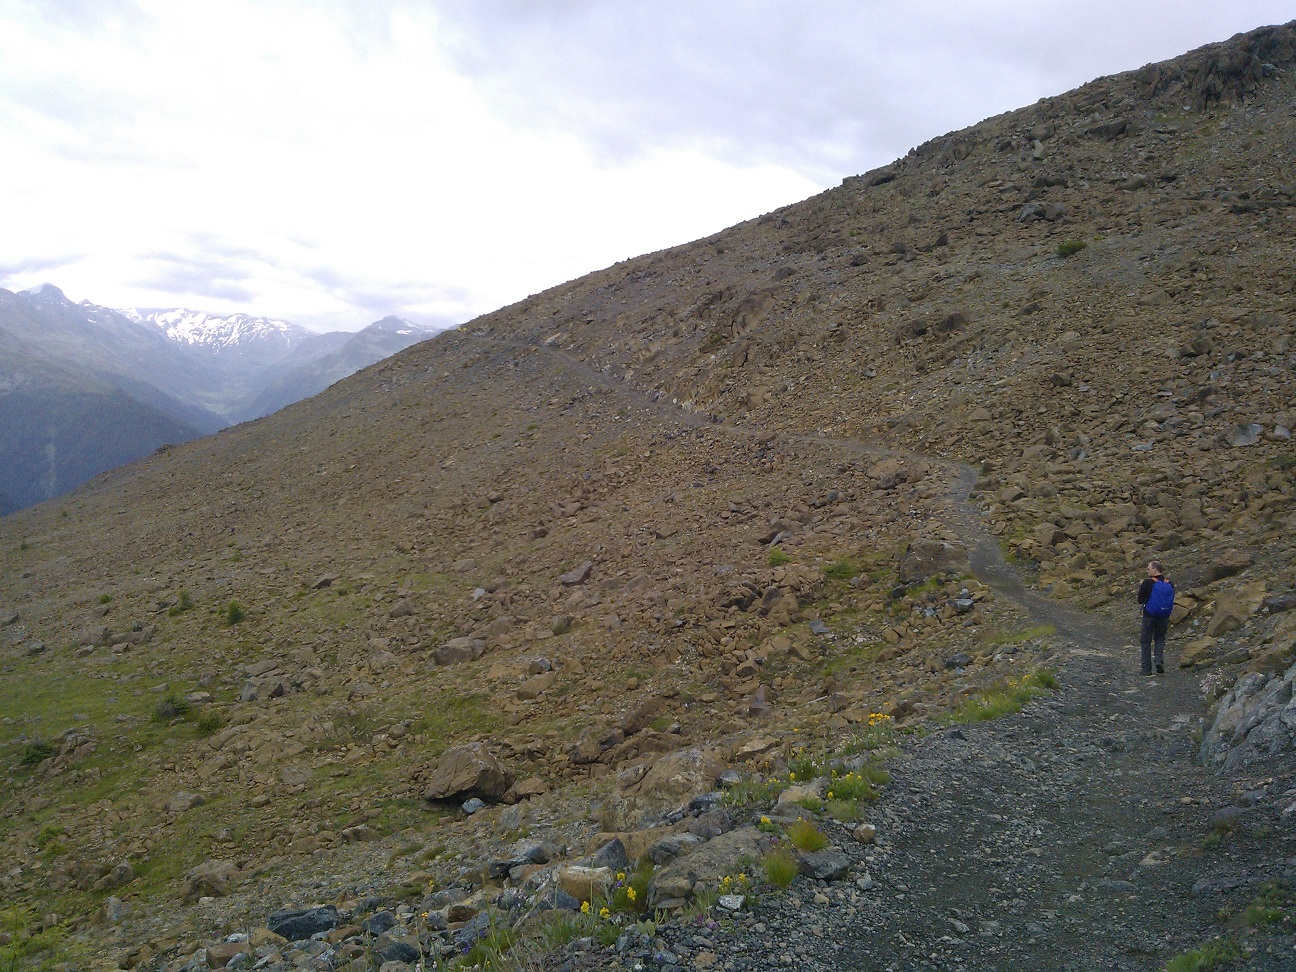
<point>1145,590</point>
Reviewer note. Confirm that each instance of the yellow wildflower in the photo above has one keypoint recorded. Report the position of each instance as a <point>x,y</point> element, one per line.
<point>585,908</point>
<point>604,913</point>
<point>631,893</point>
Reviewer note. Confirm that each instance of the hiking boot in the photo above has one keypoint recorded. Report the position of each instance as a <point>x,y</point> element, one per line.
<point>1147,673</point>
<point>1160,669</point>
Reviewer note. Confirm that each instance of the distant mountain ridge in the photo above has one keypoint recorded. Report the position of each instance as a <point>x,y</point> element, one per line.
<point>84,388</point>
<point>236,332</point>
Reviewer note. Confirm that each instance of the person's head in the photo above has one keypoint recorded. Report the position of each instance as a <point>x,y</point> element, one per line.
<point>1155,569</point>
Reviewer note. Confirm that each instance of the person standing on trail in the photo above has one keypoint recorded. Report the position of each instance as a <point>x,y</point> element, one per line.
<point>1156,597</point>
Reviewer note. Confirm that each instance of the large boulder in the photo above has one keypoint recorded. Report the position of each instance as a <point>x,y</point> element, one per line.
<point>1233,608</point>
<point>724,856</point>
<point>926,558</point>
<point>1256,718</point>
<point>298,925</point>
<point>467,771</point>
<point>646,791</point>
<point>456,651</point>
<point>210,879</point>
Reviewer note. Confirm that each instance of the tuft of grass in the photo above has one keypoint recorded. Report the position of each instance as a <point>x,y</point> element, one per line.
<point>233,614</point>
<point>630,896</point>
<point>861,784</point>
<point>806,836</point>
<point>778,557</point>
<point>746,792</point>
<point>878,733</point>
<point>1214,953</point>
<point>781,868</point>
<point>1274,908</point>
<point>1024,634</point>
<point>1005,697</point>
<point>811,803</point>
<point>847,811</point>
<point>843,569</point>
<point>171,707</point>
<point>183,603</point>
<point>35,752</point>
<point>209,722</point>
<point>1070,247</point>
<point>105,598</point>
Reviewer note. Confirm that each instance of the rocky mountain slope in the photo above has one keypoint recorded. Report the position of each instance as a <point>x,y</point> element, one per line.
<point>87,388</point>
<point>767,510</point>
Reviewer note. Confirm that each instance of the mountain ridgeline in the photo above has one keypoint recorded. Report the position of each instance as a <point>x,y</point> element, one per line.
<point>784,511</point>
<point>85,388</point>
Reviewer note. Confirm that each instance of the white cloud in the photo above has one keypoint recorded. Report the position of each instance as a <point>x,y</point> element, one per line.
<point>331,163</point>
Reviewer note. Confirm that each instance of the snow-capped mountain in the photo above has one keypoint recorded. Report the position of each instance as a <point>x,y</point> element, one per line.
<point>237,332</point>
<point>85,387</point>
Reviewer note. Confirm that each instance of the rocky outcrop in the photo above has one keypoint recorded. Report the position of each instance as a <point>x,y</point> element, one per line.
<point>467,771</point>
<point>1257,718</point>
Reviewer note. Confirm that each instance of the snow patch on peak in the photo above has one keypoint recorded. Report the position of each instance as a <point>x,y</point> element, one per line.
<point>236,332</point>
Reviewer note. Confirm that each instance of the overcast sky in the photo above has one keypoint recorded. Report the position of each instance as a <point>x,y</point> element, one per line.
<point>334,162</point>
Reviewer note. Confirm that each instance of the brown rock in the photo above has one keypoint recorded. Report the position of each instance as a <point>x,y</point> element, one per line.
<point>647,790</point>
<point>535,686</point>
<point>577,575</point>
<point>212,879</point>
<point>926,558</point>
<point>456,651</point>
<point>467,771</point>
<point>642,715</point>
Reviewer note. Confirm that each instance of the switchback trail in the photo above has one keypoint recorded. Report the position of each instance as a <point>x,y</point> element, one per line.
<point>1074,835</point>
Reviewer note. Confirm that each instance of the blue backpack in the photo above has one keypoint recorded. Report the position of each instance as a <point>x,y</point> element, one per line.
<point>1160,602</point>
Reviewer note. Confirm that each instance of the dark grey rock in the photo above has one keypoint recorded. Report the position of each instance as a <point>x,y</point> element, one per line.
<point>825,865</point>
<point>379,922</point>
<point>302,924</point>
<point>611,855</point>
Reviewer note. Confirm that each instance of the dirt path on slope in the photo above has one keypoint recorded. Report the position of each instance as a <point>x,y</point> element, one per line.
<point>1070,836</point>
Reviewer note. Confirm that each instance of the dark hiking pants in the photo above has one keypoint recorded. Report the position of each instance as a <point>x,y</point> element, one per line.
<point>1153,632</point>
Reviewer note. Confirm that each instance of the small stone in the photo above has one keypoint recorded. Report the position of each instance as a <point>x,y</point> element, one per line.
<point>472,806</point>
<point>577,575</point>
<point>865,833</point>
<point>731,902</point>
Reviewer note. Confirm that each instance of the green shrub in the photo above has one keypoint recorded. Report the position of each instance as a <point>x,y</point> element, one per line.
<point>878,733</point>
<point>1210,955</point>
<point>234,614</point>
<point>778,557</point>
<point>1274,906</point>
<point>171,707</point>
<point>861,784</point>
<point>1070,247</point>
<point>35,752</point>
<point>183,603</point>
<point>209,722</point>
<point>806,836</point>
<point>847,811</point>
<point>746,792</point>
<point>105,598</point>
<point>781,868</point>
<point>842,570</point>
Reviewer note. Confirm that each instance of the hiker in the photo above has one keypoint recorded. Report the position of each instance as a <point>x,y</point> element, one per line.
<point>1156,596</point>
